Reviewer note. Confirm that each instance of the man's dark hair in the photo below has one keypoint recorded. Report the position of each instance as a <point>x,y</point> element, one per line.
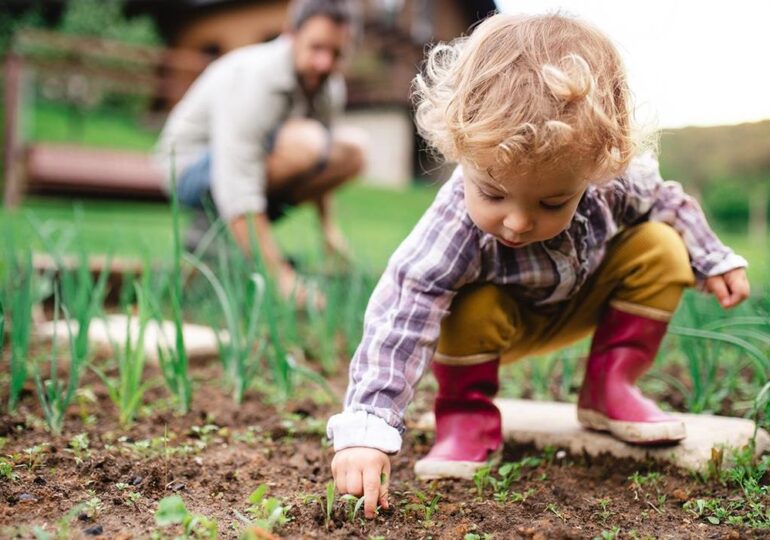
<point>340,11</point>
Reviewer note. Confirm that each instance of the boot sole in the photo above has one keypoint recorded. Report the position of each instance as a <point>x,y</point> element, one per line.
<point>643,433</point>
<point>434,469</point>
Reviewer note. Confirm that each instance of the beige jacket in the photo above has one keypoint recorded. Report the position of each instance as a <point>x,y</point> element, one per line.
<point>232,110</point>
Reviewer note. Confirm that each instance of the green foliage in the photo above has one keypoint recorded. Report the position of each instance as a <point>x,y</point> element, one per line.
<point>126,391</point>
<point>172,511</point>
<point>353,505</point>
<point>105,19</point>
<point>173,362</point>
<point>268,513</point>
<point>10,24</point>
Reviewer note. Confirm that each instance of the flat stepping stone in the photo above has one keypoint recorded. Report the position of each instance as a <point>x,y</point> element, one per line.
<point>546,423</point>
<point>199,341</point>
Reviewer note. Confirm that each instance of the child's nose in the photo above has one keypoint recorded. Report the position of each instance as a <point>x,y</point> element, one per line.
<point>517,222</point>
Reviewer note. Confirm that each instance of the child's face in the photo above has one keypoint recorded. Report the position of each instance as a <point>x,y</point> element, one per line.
<point>523,209</point>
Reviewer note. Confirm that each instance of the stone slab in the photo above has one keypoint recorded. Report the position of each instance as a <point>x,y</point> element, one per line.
<point>200,341</point>
<point>545,423</point>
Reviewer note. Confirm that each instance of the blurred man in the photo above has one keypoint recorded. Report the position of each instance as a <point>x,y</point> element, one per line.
<point>254,133</point>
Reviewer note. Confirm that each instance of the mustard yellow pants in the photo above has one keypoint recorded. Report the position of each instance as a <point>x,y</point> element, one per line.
<point>644,272</point>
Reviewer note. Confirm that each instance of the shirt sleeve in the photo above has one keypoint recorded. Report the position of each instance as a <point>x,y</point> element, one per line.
<point>642,195</point>
<point>243,113</point>
<point>402,322</point>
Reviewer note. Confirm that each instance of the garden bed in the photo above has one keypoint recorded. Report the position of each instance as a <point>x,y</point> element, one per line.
<point>111,478</point>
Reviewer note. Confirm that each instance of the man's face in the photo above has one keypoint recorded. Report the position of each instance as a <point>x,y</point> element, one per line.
<point>319,46</point>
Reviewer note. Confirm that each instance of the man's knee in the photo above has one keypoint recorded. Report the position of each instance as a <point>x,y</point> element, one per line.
<point>348,151</point>
<point>482,319</point>
<point>303,141</point>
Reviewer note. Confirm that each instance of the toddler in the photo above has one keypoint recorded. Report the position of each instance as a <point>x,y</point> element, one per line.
<point>554,225</point>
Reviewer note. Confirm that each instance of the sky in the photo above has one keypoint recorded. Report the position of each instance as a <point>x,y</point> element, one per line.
<point>690,62</point>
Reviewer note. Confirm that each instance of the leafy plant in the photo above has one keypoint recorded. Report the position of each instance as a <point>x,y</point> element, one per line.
<point>172,511</point>
<point>173,362</point>
<point>126,391</point>
<point>267,513</point>
<point>353,505</point>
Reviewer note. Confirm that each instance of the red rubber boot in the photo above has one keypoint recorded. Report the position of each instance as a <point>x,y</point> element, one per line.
<point>623,348</point>
<point>468,423</point>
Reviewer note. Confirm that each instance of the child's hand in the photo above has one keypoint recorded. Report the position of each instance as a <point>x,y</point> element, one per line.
<point>366,471</point>
<point>731,288</point>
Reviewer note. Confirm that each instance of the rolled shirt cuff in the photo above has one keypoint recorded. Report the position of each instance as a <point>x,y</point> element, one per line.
<point>359,428</point>
<point>731,262</point>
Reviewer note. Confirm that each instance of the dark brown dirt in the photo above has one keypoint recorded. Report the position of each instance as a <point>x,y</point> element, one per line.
<point>283,447</point>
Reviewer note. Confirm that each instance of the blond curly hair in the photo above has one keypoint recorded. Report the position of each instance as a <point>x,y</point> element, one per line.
<point>525,92</point>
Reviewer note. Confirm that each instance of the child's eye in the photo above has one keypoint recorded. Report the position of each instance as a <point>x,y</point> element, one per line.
<point>553,206</point>
<point>487,197</point>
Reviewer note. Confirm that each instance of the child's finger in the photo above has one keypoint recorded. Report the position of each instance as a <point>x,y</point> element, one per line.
<point>718,288</point>
<point>371,491</point>
<point>384,485</point>
<point>739,286</point>
<point>353,481</point>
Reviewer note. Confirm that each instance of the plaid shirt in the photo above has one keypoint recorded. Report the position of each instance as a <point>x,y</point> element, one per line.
<point>446,251</point>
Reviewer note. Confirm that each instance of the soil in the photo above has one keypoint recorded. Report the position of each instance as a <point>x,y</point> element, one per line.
<point>215,469</point>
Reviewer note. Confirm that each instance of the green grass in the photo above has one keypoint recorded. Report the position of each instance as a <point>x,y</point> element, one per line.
<point>54,122</point>
<point>374,219</point>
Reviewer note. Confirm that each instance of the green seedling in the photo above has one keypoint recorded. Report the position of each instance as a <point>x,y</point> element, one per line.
<point>329,501</point>
<point>20,293</point>
<point>35,456</point>
<point>92,506</point>
<point>551,507</point>
<point>78,445</point>
<point>267,513</point>
<point>428,505</point>
<point>174,362</point>
<point>604,513</point>
<point>481,479</point>
<point>612,534</point>
<point>477,536</point>
<point>126,391</point>
<point>130,497</point>
<point>172,511</point>
<point>353,505</point>
<point>6,470</point>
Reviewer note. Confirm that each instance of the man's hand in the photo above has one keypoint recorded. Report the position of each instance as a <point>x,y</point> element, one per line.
<point>730,288</point>
<point>336,245</point>
<point>366,471</point>
<point>290,285</point>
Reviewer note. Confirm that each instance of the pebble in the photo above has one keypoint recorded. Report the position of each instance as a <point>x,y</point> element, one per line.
<point>26,497</point>
<point>94,530</point>
<point>176,486</point>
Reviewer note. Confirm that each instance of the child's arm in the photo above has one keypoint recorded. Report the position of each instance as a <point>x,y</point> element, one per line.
<point>642,195</point>
<point>401,328</point>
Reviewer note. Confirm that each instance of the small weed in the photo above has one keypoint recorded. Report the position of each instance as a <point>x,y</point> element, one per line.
<point>481,479</point>
<point>35,456</point>
<point>426,505</point>
<point>267,513</point>
<point>93,506</point>
<point>604,513</point>
<point>612,534</point>
<point>78,445</point>
<point>172,511</point>
<point>130,497</point>
<point>6,470</point>
<point>477,536</point>
<point>551,507</point>
<point>353,505</point>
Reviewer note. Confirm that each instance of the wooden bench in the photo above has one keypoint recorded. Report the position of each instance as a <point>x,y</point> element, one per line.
<point>53,168</point>
<point>162,75</point>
